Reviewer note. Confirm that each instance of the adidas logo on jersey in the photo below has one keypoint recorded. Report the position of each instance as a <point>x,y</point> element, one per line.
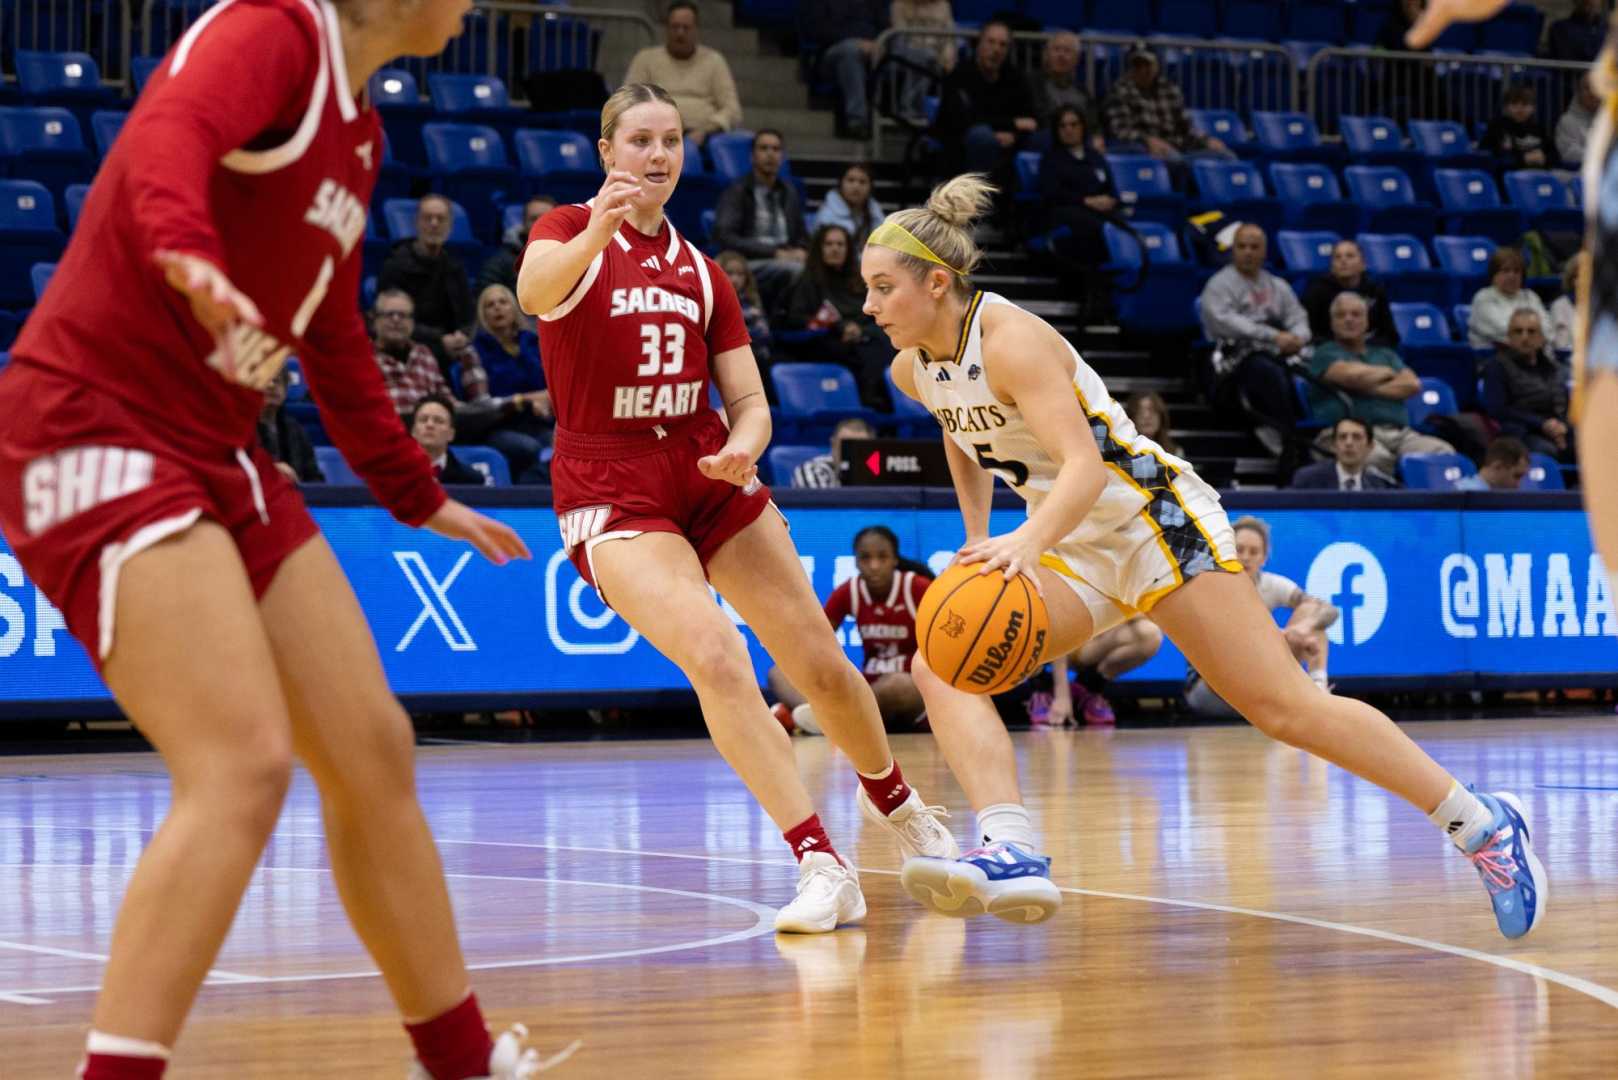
<point>943,376</point>
<point>653,265</point>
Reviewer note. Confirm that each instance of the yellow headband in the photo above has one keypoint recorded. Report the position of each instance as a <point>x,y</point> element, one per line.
<point>895,236</point>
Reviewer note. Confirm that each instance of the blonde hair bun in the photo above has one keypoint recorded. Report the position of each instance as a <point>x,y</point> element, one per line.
<point>961,200</point>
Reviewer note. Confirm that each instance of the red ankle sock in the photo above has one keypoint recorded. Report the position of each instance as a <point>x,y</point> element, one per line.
<point>888,791</point>
<point>454,1045</point>
<point>808,835</point>
<point>118,1067</point>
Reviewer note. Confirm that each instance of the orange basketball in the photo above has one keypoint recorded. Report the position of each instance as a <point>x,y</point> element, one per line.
<point>979,632</point>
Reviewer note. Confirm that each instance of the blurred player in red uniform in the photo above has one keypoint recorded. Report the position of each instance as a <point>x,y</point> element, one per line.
<point>219,237</point>
<point>881,598</point>
<point>655,496</point>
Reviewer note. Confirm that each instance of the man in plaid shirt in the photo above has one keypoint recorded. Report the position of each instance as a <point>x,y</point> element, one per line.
<point>408,367</point>
<point>1147,109</point>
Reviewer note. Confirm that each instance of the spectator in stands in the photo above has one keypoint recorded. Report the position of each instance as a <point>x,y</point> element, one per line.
<point>283,438</point>
<point>696,76</point>
<point>822,471</point>
<point>1578,37</point>
<point>1516,136</point>
<point>1525,389</point>
<point>1150,415</point>
<point>1564,312</point>
<point>1093,666</point>
<point>501,267</point>
<point>432,425</point>
<point>1573,129</point>
<point>986,108</point>
<point>1256,324</point>
<point>1505,464</point>
<point>1347,274</point>
<point>1372,384</point>
<point>1493,305</point>
<point>734,264</point>
<point>502,373</point>
<point>1056,85</point>
<point>851,205</point>
<point>936,55</point>
<point>830,296</point>
<point>434,279</point>
<point>1306,627</point>
<point>761,217</point>
<point>1147,110</point>
<point>1076,188</point>
<point>1351,443</point>
<point>844,33</point>
<point>408,367</point>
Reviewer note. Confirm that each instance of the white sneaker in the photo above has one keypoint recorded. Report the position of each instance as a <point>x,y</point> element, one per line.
<point>804,717</point>
<point>510,1060</point>
<point>917,828</point>
<point>828,896</point>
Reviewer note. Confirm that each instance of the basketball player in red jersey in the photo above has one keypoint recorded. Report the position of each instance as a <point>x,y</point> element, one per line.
<point>881,598</point>
<point>219,237</point>
<point>655,497</point>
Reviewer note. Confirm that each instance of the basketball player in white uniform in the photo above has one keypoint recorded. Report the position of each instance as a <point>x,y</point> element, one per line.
<point>1115,525</point>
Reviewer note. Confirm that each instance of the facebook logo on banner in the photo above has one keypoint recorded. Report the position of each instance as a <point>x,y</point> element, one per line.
<point>1350,577</point>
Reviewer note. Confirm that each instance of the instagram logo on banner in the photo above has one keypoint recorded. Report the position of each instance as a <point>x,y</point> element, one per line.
<point>578,623</point>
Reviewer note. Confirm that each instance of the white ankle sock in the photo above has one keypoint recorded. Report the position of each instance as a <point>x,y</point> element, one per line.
<point>1007,821</point>
<point>1319,675</point>
<point>1463,817</point>
<point>119,1046</point>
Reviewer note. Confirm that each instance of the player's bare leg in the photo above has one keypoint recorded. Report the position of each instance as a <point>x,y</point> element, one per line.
<point>192,668</point>
<point>897,697</point>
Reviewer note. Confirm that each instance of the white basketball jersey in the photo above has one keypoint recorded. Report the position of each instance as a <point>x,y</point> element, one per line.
<point>994,434</point>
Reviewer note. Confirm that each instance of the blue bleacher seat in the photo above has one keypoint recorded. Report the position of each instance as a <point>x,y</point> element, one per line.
<point>1445,143</point>
<point>1306,252</point>
<point>1224,125</point>
<point>1143,183</point>
<point>1377,140</point>
<point>1402,261</point>
<point>1256,20</point>
<point>1546,201</point>
<point>1312,198</point>
<point>1307,420</point>
<point>5,358</point>
<point>398,99</point>
<point>1317,20</point>
<point>1291,136</point>
<point>488,461</point>
<point>1462,315</point>
<point>466,93</point>
<point>44,143</point>
<point>468,163</point>
<point>909,415</point>
<point>142,67</point>
<point>39,275</point>
<point>1388,202</point>
<point>1466,260</point>
<point>731,153</point>
<point>1027,164</point>
<point>1236,188</point>
<point>816,392</point>
<point>1434,472</point>
<point>1165,305</point>
<point>61,78</point>
<point>1426,345</point>
<point>331,462</point>
<point>1435,398</point>
<point>10,323</point>
<point>559,163</point>
<point>560,43</point>
<point>1544,474</point>
<point>1471,204</point>
<point>105,125</point>
<point>784,460</point>
<point>28,235</point>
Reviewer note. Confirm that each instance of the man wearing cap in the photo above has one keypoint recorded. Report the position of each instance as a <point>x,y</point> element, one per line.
<point>1146,109</point>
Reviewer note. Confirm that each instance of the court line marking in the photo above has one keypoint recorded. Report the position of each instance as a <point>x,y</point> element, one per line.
<point>216,974</point>
<point>1606,995</point>
<point>763,923</point>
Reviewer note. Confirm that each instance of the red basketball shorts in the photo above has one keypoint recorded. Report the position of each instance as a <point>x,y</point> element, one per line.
<point>86,484</point>
<point>612,487</point>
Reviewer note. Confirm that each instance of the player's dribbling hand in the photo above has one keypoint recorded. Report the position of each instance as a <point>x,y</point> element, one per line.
<point>1440,13</point>
<point>731,466</point>
<point>495,540</point>
<point>1014,553</point>
<point>613,202</point>
<point>215,302</point>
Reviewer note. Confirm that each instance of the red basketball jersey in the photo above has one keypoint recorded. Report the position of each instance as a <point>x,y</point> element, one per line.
<point>628,349</point>
<point>887,626</point>
<point>248,148</point>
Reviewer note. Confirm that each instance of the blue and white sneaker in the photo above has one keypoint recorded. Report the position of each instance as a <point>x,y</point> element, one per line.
<point>1001,879</point>
<point>1511,872</point>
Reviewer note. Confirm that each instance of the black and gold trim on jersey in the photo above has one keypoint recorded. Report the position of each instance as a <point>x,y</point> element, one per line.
<point>1184,542</point>
<point>972,307</point>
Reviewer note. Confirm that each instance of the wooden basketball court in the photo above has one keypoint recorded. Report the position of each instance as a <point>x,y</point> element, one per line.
<point>1235,908</point>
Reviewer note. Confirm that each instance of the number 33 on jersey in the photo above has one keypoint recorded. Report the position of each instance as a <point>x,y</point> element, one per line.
<point>628,349</point>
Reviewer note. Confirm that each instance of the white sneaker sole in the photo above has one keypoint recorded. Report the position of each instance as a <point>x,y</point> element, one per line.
<point>786,923</point>
<point>962,891</point>
<point>1536,869</point>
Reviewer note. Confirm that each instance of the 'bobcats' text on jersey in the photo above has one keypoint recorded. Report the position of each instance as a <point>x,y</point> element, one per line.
<point>888,626</point>
<point>628,349</point>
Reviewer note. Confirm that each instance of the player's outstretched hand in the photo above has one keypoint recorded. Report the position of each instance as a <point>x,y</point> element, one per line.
<point>1441,13</point>
<point>495,540</point>
<point>1014,553</point>
<point>215,302</point>
<point>731,466</point>
<point>613,202</point>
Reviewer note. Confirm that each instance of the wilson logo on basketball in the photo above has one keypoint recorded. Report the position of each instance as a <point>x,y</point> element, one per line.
<point>995,656</point>
<point>954,625</point>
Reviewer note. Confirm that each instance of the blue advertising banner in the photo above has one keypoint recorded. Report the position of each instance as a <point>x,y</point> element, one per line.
<point>1437,588</point>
